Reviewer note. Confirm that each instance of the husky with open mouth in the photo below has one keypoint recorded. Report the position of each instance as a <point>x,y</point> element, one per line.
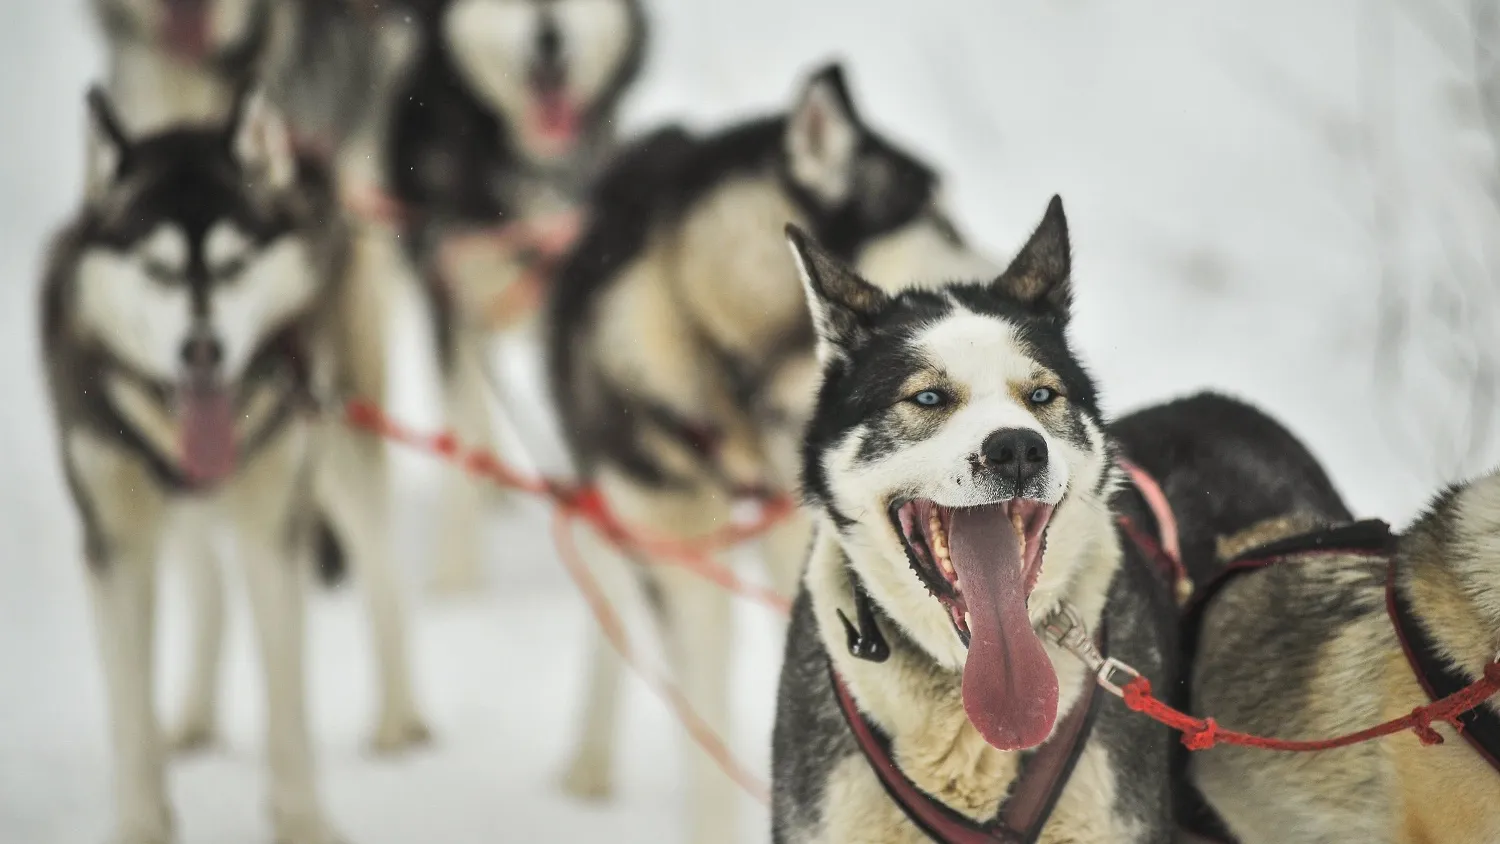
<point>965,487</point>
<point>502,124</point>
<point>194,311</point>
<point>329,66</point>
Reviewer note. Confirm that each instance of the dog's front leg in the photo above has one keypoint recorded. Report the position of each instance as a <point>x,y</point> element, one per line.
<point>195,724</point>
<point>698,617</point>
<point>273,544</point>
<point>465,397</point>
<point>123,586</point>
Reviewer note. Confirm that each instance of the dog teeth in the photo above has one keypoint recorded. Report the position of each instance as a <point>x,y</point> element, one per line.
<point>968,623</point>
<point>1019,523</point>
<point>937,540</point>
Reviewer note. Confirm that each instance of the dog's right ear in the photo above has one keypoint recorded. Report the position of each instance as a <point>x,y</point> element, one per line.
<point>843,304</point>
<point>108,146</point>
<point>1040,273</point>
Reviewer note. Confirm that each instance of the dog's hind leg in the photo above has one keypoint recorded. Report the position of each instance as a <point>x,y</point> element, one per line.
<point>196,722</point>
<point>123,515</point>
<point>273,539</point>
<point>353,486</point>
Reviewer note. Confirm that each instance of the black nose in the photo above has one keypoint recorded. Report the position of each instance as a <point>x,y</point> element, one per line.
<point>202,351</point>
<point>1018,453</point>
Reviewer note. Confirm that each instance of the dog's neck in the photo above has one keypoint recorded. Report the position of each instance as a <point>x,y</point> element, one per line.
<point>1458,607</point>
<point>917,700</point>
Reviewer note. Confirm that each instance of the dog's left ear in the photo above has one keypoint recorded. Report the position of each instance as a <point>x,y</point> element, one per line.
<point>109,148</point>
<point>259,139</point>
<point>1039,274</point>
<point>822,137</point>
<point>843,304</point>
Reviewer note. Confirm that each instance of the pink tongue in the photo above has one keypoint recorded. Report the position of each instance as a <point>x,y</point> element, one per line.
<point>556,116</point>
<point>207,419</point>
<point>1010,687</point>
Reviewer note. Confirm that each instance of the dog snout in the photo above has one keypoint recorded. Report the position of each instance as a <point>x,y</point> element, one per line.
<point>548,69</point>
<point>202,351</point>
<point>1015,454</point>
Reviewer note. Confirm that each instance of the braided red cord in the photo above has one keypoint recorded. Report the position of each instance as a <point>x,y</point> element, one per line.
<point>1203,733</point>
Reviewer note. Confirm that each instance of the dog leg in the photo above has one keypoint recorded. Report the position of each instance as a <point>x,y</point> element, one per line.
<point>195,725</point>
<point>697,616</point>
<point>123,589</point>
<point>459,563</point>
<point>589,776</point>
<point>273,543</point>
<point>353,486</point>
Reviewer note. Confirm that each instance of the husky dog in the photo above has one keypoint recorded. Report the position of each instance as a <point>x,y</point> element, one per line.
<point>1317,646</point>
<point>504,120</point>
<point>190,313</point>
<point>963,477</point>
<point>681,355</point>
<point>328,65</point>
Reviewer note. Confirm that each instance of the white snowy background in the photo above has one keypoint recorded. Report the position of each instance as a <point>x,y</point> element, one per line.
<point>1288,200</point>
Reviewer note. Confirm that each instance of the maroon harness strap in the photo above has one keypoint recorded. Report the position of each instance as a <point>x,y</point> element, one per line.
<point>1032,796</point>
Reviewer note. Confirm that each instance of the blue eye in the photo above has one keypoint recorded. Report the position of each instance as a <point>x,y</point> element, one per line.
<point>1042,395</point>
<point>928,398</point>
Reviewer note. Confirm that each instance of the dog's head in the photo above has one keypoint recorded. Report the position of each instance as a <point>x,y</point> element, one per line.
<point>197,248</point>
<point>193,30</point>
<point>863,197</point>
<point>957,447</point>
<point>551,69</point>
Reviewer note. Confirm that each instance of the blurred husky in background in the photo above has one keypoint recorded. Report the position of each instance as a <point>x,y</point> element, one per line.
<point>329,67</point>
<point>681,357</point>
<point>506,117</point>
<point>192,312</point>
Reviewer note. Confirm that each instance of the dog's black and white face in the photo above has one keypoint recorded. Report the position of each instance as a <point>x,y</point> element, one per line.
<point>193,30</point>
<point>548,67</point>
<point>195,253</point>
<point>864,197</point>
<point>958,448</point>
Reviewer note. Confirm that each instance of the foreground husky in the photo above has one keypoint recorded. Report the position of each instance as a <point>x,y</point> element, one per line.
<point>190,312</point>
<point>681,354</point>
<point>501,125</point>
<point>963,480</point>
<point>1315,646</point>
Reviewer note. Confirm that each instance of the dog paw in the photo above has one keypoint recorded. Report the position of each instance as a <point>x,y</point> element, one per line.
<point>395,735</point>
<point>192,736</point>
<point>587,779</point>
<point>307,830</point>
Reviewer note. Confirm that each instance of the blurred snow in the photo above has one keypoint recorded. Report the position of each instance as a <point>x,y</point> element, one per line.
<point>1244,183</point>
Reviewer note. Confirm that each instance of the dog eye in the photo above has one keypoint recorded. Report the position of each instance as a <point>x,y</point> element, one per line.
<point>930,398</point>
<point>1042,395</point>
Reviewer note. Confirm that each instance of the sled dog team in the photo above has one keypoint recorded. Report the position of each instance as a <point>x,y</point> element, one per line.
<point>780,307</point>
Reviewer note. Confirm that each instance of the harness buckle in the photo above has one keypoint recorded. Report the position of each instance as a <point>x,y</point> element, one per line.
<point>1066,627</point>
<point>1110,670</point>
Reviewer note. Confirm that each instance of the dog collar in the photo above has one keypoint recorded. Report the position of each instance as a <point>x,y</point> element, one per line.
<point>1044,774</point>
<point>1480,726</point>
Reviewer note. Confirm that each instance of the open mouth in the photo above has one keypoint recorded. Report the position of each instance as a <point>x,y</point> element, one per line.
<point>981,563</point>
<point>926,528</point>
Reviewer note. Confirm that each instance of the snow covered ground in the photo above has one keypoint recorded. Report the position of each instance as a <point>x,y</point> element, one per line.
<point>1217,178</point>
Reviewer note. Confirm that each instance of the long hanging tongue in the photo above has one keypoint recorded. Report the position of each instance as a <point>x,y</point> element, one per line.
<point>555,115</point>
<point>207,431</point>
<point>1010,687</point>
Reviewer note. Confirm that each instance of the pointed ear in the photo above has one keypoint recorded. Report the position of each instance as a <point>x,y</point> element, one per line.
<point>1039,272</point>
<point>108,146</point>
<point>260,140</point>
<point>842,304</point>
<point>822,137</point>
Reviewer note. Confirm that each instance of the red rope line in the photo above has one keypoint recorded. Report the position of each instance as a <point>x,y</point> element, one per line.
<point>587,504</point>
<point>1203,733</point>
